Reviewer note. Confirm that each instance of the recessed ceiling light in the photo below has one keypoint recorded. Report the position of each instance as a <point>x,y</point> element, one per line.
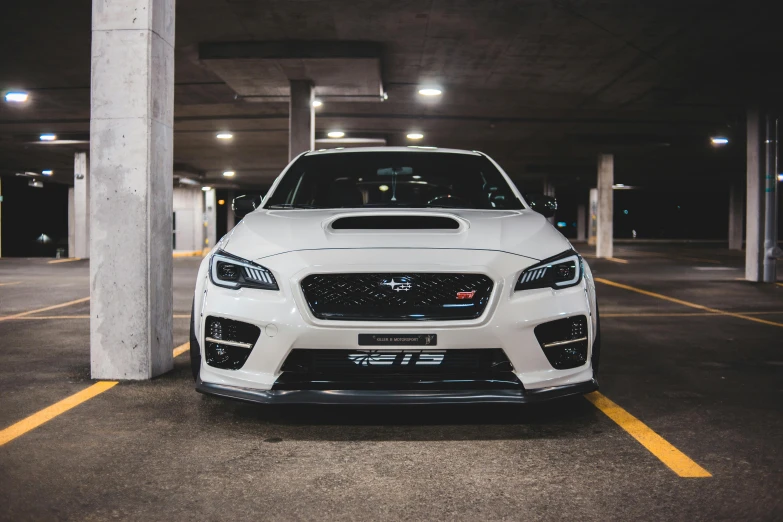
<point>206,189</point>
<point>415,136</point>
<point>47,172</point>
<point>719,140</point>
<point>224,135</point>
<point>48,137</point>
<point>229,173</point>
<point>430,91</point>
<point>336,134</point>
<point>383,188</point>
<point>16,97</point>
<point>317,103</point>
<point>221,202</point>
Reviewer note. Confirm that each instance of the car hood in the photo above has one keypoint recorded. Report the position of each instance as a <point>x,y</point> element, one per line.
<point>265,233</point>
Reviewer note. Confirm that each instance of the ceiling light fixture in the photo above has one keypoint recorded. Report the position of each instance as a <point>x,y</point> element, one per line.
<point>16,97</point>
<point>719,140</point>
<point>48,137</point>
<point>335,134</point>
<point>415,136</point>
<point>47,172</point>
<point>224,135</point>
<point>430,91</point>
<point>229,173</point>
<point>317,103</point>
<point>206,189</point>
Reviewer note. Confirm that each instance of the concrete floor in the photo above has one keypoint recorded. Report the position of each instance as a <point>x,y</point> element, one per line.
<point>710,384</point>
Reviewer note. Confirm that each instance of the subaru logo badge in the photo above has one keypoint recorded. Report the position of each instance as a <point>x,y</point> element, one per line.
<point>399,284</point>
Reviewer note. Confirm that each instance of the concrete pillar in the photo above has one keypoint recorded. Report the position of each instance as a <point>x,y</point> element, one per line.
<point>581,222</point>
<point>131,151</point>
<point>81,206</point>
<point>771,249</point>
<point>735,218</point>
<point>210,218</point>
<point>592,228</point>
<point>301,118</point>
<point>604,240</point>
<point>189,216</point>
<point>230,217</point>
<point>754,193</point>
<point>71,222</point>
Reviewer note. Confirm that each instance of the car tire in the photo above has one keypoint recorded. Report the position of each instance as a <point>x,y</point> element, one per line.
<point>195,349</point>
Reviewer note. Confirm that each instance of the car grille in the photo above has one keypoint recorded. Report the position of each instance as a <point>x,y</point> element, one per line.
<point>397,296</point>
<point>393,369</point>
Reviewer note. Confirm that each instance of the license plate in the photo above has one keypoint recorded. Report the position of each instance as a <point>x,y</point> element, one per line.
<point>398,340</point>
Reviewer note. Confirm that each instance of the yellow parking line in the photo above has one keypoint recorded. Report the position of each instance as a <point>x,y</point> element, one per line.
<point>182,348</point>
<point>66,260</point>
<point>684,314</point>
<point>31,312</point>
<point>9,284</point>
<point>676,460</point>
<point>686,303</point>
<point>47,414</point>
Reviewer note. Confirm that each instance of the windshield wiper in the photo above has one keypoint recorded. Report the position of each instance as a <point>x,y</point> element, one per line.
<point>289,205</point>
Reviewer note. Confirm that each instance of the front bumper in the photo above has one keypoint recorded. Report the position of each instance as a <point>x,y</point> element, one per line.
<point>286,324</point>
<point>393,397</point>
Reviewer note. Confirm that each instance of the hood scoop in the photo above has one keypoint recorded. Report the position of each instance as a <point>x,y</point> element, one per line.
<point>396,222</point>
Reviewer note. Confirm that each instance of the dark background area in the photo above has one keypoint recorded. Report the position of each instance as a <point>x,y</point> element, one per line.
<point>28,212</point>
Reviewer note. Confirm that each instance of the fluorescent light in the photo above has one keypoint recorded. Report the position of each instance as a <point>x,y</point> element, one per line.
<point>415,136</point>
<point>335,134</point>
<point>224,135</point>
<point>618,185</point>
<point>430,91</point>
<point>317,103</point>
<point>780,177</point>
<point>48,137</point>
<point>206,189</point>
<point>16,97</point>
<point>719,140</point>
<point>229,173</point>
<point>383,188</point>
<point>47,172</point>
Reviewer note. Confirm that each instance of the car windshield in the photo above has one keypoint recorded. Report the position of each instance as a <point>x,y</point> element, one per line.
<point>393,179</point>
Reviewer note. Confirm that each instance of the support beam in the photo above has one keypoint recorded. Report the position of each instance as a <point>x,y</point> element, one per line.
<point>592,228</point>
<point>81,206</point>
<point>131,150</point>
<point>735,218</point>
<point>230,217</point>
<point>754,207</point>
<point>210,218</point>
<point>605,215</point>
<point>581,222</point>
<point>301,118</point>
<point>771,250</point>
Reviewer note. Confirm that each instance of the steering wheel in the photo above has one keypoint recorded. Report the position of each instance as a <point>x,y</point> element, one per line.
<point>451,200</point>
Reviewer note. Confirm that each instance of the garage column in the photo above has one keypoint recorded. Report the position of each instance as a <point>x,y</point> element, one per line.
<point>592,227</point>
<point>754,222</point>
<point>131,150</point>
<point>735,218</point>
<point>81,206</point>
<point>605,215</point>
<point>230,217</point>
<point>301,118</point>
<point>581,222</point>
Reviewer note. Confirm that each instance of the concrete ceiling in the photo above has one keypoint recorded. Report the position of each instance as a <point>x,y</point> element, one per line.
<point>542,86</point>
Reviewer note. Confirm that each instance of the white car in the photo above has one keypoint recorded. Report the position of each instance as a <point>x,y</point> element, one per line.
<point>394,275</point>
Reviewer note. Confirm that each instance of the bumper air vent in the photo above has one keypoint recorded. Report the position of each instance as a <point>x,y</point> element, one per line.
<point>227,343</point>
<point>564,341</point>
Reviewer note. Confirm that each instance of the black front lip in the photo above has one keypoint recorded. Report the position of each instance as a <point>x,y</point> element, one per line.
<point>394,397</point>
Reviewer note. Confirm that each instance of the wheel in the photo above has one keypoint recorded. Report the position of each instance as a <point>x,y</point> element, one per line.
<point>195,350</point>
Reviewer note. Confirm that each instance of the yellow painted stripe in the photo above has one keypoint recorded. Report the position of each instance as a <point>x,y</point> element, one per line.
<point>9,284</point>
<point>47,414</point>
<point>676,460</point>
<point>684,314</point>
<point>617,260</point>
<point>31,312</point>
<point>66,260</point>
<point>779,284</point>
<point>686,303</point>
<point>182,348</point>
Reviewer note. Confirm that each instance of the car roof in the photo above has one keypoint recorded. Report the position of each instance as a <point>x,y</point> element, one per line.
<point>391,149</point>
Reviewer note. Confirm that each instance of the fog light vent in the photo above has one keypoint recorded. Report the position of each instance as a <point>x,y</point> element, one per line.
<point>228,343</point>
<point>564,341</point>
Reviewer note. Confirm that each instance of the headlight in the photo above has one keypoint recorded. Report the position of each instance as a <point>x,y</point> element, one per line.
<point>233,272</point>
<point>561,271</point>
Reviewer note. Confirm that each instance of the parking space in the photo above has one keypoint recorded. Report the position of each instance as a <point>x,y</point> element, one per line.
<point>684,360</point>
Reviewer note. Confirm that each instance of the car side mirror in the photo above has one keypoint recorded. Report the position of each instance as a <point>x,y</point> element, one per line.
<point>244,205</point>
<point>544,205</point>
